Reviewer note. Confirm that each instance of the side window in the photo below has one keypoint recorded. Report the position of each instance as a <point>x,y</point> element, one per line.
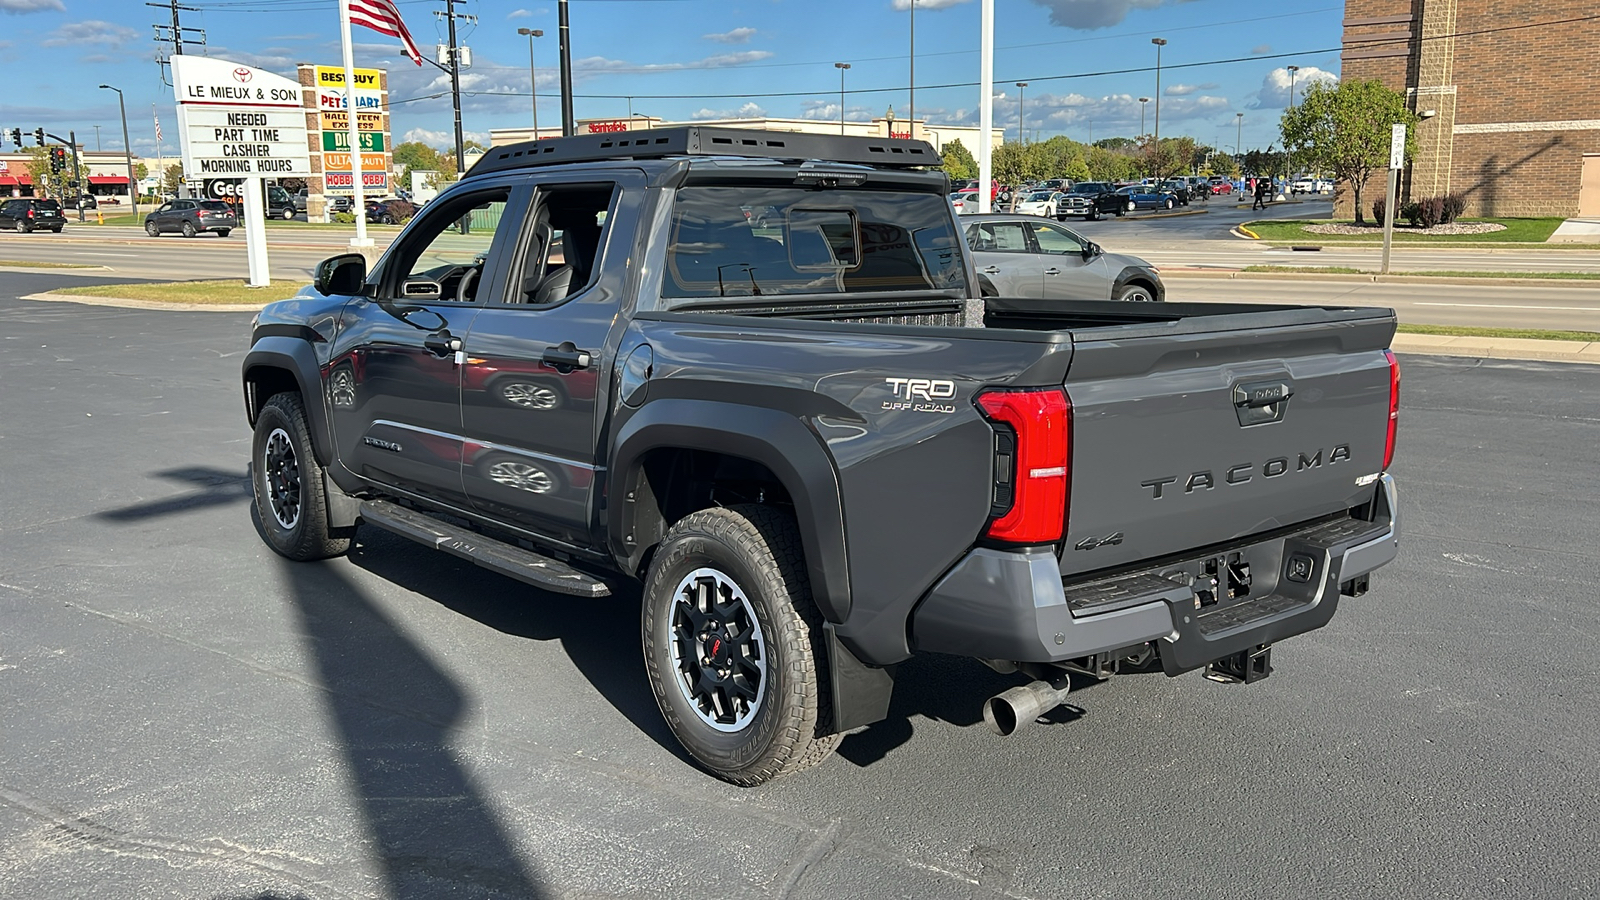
<point>1000,237</point>
<point>563,243</point>
<point>442,257</point>
<point>1056,240</point>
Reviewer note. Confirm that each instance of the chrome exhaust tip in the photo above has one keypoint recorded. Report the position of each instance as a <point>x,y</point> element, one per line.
<point>1006,712</point>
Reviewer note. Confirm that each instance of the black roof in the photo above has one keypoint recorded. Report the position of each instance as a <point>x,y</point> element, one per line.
<point>708,141</point>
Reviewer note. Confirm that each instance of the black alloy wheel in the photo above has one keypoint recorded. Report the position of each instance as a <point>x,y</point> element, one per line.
<point>733,645</point>
<point>291,500</point>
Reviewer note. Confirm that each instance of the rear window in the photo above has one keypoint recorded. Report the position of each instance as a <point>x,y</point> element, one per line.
<point>215,205</point>
<point>46,204</point>
<point>814,242</point>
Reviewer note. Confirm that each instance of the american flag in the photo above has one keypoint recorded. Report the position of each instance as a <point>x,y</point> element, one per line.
<point>158,127</point>
<point>382,17</point>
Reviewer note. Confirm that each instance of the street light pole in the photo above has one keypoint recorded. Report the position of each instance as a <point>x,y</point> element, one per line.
<point>1143,103</point>
<point>1022,131</point>
<point>1159,42</point>
<point>1238,133</point>
<point>127,152</point>
<point>841,67</point>
<point>911,108</point>
<point>1288,155</point>
<point>533,76</point>
<point>569,125</point>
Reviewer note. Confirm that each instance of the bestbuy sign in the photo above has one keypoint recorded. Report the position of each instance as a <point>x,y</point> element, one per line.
<point>237,120</point>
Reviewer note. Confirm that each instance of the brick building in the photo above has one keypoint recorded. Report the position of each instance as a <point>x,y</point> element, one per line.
<point>1511,114</point>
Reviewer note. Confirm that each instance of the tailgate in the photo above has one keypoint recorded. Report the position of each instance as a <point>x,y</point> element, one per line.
<point>1207,430</point>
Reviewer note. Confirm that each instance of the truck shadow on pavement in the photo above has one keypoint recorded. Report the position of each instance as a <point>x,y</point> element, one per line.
<point>213,487</point>
<point>600,636</point>
<point>433,832</point>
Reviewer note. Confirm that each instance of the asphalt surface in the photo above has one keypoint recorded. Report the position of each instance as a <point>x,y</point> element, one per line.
<point>187,715</point>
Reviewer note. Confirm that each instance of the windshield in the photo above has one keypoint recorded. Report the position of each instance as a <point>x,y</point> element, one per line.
<point>1039,197</point>
<point>1088,187</point>
<point>816,242</point>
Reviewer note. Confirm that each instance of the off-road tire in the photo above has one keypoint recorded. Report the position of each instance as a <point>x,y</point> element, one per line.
<point>306,536</point>
<point>758,549</point>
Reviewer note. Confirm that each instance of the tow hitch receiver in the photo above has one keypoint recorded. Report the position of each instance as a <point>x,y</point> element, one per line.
<point>1244,667</point>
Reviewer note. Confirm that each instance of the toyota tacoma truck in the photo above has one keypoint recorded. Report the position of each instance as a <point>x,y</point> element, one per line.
<point>813,443</point>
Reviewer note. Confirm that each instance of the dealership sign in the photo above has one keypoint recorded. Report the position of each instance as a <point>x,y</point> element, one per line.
<point>236,120</point>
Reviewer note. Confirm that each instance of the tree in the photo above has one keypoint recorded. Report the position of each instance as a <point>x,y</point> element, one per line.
<point>1077,169</point>
<point>171,180</point>
<point>140,171</point>
<point>1110,165</point>
<point>1015,163</point>
<point>410,155</point>
<point>1345,130</point>
<point>959,162</point>
<point>39,171</point>
<point>1263,162</point>
<point>1116,143</point>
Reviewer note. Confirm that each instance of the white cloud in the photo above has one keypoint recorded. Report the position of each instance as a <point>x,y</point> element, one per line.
<point>825,111</point>
<point>599,65</point>
<point>443,140</point>
<point>1091,14</point>
<point>1077,115</point>
<point>520,14</point>
<point>92,31</point>
<point>1274,93</point>
<point>1183,90</point>
<point>903,5</point>
<point>17,7</point>
<point>747,111</point>
<point>736,36</point>
<point>1261,50</point>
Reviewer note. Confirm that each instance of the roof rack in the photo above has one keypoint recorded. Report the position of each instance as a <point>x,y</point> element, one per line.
<point>698,140</point>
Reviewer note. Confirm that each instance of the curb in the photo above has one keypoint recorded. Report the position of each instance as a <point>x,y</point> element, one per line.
<point>53,270</point>
<point>128,303</point>
<point>1398,278</point>
<point>1241,231</point>
<point>1497,348</point>
<point>1135,217</point>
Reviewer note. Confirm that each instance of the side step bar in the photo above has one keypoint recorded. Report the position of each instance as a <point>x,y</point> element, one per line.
<point>498,556</point>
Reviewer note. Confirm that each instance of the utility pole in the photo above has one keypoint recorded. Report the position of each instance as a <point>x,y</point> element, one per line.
<point>174,32</point>
<point>455,85</point>
<point>569,126</point>
<point>911,108</point>
<point>77,174</point>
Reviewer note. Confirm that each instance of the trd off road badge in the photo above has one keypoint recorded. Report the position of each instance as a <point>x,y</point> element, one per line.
<point>920,395</point>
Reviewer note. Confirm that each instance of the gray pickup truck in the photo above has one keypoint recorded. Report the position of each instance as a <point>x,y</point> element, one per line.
<point>812,442</point>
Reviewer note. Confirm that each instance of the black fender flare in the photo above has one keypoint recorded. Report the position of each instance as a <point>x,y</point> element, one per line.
<point>1135,273</point>
<point>778,440</point>
<point>296,356</point>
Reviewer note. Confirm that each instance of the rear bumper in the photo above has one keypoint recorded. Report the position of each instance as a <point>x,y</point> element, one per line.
<point>1013,605</point>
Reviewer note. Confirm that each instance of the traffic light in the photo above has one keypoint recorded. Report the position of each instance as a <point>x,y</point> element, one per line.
<point>38,136</point>
<point>58,160</point>
<point>16,137</point>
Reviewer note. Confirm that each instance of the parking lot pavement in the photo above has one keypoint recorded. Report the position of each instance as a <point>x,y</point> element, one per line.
<point>187,715</point>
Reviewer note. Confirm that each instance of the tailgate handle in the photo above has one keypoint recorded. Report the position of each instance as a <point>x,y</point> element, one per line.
<point>1258,396</point>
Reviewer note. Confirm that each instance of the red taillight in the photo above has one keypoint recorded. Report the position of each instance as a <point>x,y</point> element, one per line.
<point>30,213</point>
<point>1394,407</point>
<point>1037,475</point>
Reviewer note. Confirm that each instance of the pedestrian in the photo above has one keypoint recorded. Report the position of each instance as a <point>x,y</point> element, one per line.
<point>1261,195</point>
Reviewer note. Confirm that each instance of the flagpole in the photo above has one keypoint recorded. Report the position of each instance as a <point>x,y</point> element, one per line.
<point>358,200</point>
<point>161,168</point>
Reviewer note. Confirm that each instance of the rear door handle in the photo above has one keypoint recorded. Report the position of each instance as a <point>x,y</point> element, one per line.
<point>990,270</point>
<point>567,356</point>
<point>1052,271</point>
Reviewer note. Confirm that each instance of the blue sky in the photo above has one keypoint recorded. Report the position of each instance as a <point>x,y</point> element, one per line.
<point>683,59</point>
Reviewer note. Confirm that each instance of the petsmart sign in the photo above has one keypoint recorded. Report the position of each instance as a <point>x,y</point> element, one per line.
<point>236,120</point>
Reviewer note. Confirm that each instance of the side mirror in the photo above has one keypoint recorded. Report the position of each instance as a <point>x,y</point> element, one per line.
<point>344,274</point>
<point>1091,250</point>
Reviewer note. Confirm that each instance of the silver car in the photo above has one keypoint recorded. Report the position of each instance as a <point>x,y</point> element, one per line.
<point>1021,256</point>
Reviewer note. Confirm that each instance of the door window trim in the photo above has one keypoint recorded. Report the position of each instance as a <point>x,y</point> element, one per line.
<point>388,276</point>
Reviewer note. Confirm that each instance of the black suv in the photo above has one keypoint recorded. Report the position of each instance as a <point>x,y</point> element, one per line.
<point>27,214</point>
<point>191,217</point>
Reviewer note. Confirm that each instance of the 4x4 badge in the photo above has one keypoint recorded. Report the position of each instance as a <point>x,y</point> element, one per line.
<point>1092,543</point>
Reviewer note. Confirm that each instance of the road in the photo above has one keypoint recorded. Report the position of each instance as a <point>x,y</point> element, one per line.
<point>1485,306</point>
<point>187,715</point>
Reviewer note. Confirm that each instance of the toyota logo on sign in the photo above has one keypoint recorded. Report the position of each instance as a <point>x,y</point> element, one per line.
<point>241,75</point>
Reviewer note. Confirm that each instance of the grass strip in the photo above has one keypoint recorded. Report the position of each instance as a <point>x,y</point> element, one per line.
<point>1346,270</point>
<point>225,292</point>
<point>1518,231</point>
<point>1529,333</point>
<point>38,264</point>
